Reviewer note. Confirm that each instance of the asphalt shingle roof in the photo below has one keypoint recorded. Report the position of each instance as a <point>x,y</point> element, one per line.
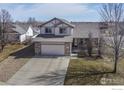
<point>22,28</point>
<point>82,29</point>
<point>53,38</point>
<point>18,29</point>
<point>61,20</point>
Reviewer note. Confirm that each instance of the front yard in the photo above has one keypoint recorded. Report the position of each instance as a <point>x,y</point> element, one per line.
<point>8,49</point>
<point>13,58</point>
<point>83,71</point>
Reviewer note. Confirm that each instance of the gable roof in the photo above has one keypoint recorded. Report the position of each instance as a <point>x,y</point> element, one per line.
<point>82,29</point>
<point>61,20</point>
<point>36,30</point>
<point>25,26</point>
<point>20,28</point>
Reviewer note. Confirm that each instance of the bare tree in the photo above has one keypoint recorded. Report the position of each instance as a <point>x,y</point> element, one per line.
<point>31,21</point>
<point>89,45</point>
<point>100,45</point>
<point>5,21</point>
<point>112,14</point>
<point>0,36</point>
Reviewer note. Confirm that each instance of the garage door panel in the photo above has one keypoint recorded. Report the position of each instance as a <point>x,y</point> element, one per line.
<point>52,49</point>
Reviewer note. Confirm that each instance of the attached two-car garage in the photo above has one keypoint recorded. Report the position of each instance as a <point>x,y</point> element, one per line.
<point>53,46</point>
<point>52,49</point>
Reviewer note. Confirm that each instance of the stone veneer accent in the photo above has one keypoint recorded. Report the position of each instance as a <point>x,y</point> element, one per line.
<point>67,49</point>
<point>37,46</point>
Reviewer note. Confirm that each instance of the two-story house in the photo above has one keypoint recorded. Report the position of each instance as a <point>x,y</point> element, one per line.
<point>60,37</point>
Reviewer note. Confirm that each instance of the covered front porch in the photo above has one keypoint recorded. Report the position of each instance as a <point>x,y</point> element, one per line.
<point>79,45</point>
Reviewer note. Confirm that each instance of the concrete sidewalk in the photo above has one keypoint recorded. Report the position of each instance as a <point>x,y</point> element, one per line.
<point>42,71</point>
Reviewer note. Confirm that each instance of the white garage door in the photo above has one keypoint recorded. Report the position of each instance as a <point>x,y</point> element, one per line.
<point>52,49</point>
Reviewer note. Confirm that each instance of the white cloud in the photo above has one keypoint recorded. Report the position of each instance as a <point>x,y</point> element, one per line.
<point>45,11</point>
<point>62,9</point>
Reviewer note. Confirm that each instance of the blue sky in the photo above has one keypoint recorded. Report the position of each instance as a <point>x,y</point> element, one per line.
<point>46,11</point>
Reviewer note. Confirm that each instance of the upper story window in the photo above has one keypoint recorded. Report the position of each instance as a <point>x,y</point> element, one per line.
<point>48,30</point>
<point>62,30</point>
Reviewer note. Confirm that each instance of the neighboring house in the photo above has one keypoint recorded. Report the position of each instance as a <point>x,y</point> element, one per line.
<point>60,37</point>
<point>20,33</point>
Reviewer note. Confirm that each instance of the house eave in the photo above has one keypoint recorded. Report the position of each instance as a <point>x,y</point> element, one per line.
<point>71,25</point>
<point>40,39</point>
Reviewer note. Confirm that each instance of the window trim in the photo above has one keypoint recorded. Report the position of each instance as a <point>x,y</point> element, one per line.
<point>48,31</point>
<point>61,31</point>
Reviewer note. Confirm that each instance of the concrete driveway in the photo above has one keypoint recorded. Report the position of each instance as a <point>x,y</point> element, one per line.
<point>41,71</point>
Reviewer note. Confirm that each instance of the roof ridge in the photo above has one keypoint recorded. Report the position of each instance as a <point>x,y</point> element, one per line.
<point>62,20</point>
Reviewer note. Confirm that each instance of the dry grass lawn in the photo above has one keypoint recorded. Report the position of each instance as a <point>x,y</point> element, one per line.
<point>10,49</point>
<point>17,57</point>
<point>84,71</point>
